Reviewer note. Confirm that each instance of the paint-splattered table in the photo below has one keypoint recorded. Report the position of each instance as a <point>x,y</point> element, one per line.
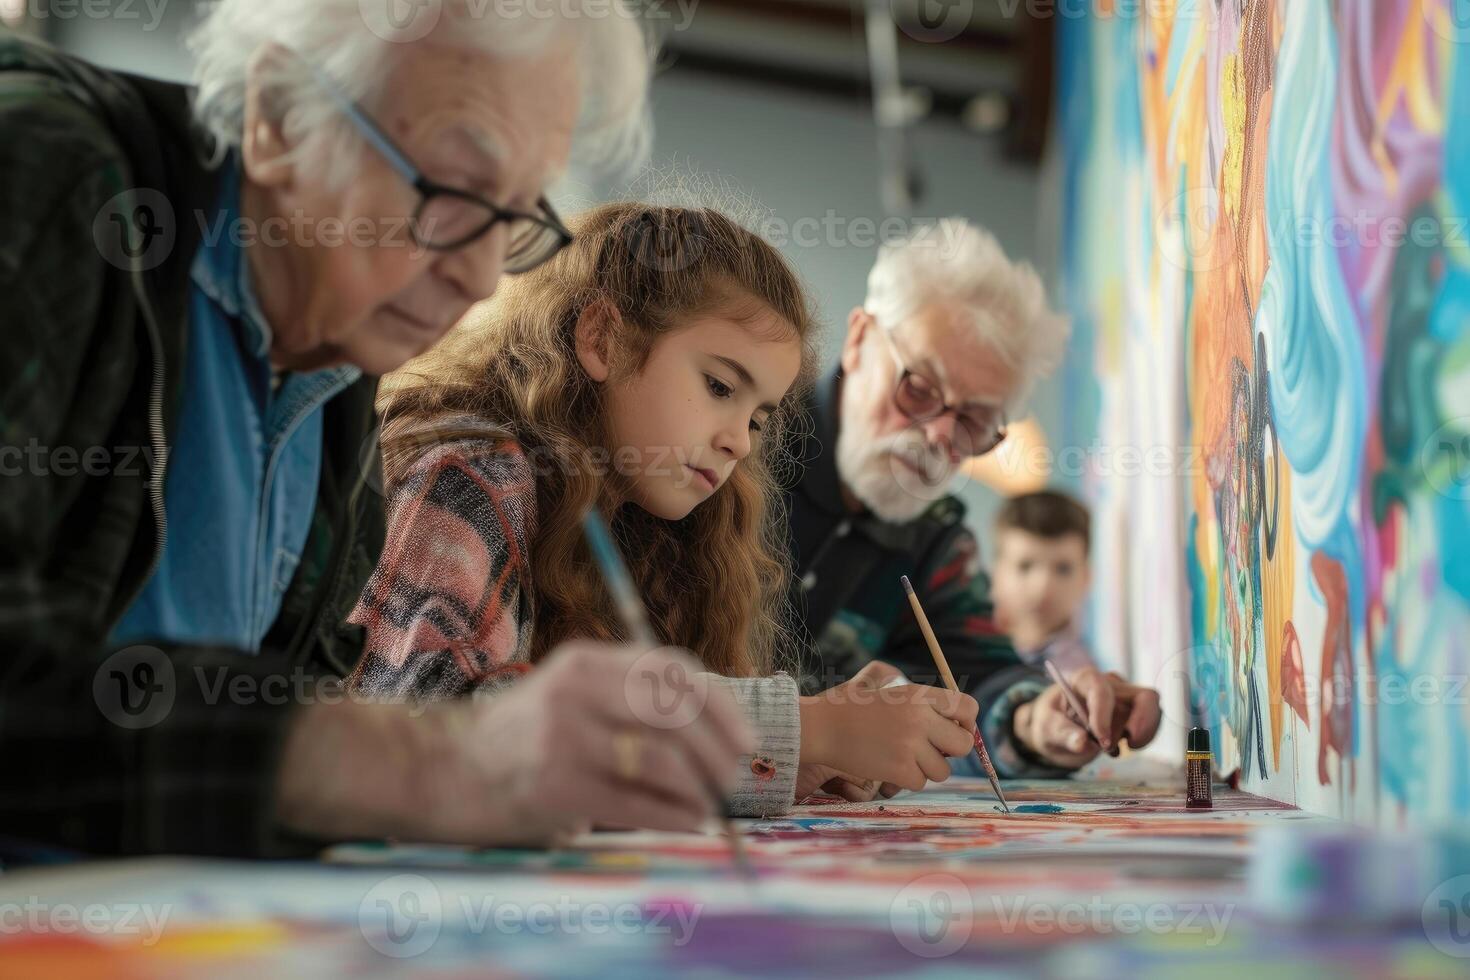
<point>1095,880</point>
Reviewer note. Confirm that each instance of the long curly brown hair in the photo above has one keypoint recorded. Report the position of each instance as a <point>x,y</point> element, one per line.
<point>714,582</point>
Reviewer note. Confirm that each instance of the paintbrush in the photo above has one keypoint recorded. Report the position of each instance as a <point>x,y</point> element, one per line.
<point>635,619</point>
<point>944,671</point>
<point>1075,703</point>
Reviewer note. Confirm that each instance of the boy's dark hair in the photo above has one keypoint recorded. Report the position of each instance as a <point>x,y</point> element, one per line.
<point>1046,514</point>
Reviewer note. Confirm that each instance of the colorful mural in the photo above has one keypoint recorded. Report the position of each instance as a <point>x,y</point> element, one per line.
<point>1268,255</point>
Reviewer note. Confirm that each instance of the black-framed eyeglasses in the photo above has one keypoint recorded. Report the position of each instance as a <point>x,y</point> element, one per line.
<point>449,218</point>
<point>920,400</point>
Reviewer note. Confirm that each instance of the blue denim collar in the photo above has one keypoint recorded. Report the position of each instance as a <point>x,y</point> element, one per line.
<point>221,273</point>
<point>220,269</point>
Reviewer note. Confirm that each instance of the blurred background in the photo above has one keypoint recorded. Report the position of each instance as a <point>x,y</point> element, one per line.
<point>819,117</point>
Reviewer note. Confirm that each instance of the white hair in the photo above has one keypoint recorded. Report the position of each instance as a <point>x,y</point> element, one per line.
<point>353,43</point>
<point>956,266</point>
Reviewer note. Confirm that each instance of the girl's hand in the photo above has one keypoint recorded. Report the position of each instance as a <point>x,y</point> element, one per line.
<point>595,735</point>
<point>812,779</point>
<point>900,735</point>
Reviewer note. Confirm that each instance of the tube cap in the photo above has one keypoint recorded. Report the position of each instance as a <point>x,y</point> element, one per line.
<point>1199,740</point>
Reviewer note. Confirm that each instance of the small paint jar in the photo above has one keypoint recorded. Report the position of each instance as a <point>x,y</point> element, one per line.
<point>1198,763</point>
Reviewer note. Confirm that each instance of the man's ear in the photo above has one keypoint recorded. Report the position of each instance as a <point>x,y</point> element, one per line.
<point>592,335</point>
<point>859,322</point>
<point>264,149</point>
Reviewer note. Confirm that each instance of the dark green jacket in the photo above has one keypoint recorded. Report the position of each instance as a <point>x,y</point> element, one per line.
<point>852,607</point>
<point>94,327</point>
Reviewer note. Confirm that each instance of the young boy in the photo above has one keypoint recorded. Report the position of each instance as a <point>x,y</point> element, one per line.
<point>1041,577</point>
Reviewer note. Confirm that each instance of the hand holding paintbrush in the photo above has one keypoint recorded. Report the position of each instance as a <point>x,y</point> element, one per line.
<point>949,682</point>
<point>1078,711</point>
<point>635,619</point>
<point>1086,707</point>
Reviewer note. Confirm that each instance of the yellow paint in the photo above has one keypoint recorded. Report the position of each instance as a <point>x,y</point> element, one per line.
<point>1278,584</point>
<point>1408,82</point>
<point>221,941</point>
<point>625,860</point>
<point>1232,110</point>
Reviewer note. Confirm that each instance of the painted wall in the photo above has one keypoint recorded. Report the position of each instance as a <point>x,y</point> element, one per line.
<point>1267,253</point>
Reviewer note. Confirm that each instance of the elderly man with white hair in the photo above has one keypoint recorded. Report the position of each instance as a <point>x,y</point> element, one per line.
<point>949,341</point>
<point>198,289</point>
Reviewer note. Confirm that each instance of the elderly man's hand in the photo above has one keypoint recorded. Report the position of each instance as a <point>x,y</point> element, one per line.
<point>1115,709</point>
<point>597,735</point>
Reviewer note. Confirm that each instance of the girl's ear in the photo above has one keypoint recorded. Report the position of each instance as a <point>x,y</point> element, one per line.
<point>593,333</point>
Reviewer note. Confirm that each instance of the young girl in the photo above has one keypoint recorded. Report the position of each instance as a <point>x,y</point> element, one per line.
<point>648,370</point>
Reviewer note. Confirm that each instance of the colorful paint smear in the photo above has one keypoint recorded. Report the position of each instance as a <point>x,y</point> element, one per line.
<point>937,883</point>
<point>1268,259</point>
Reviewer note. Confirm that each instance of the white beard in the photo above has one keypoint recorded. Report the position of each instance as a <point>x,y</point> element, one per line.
<point>872,471</point>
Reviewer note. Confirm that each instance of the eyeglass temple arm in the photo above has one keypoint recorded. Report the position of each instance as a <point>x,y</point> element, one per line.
<point>366,126</point>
